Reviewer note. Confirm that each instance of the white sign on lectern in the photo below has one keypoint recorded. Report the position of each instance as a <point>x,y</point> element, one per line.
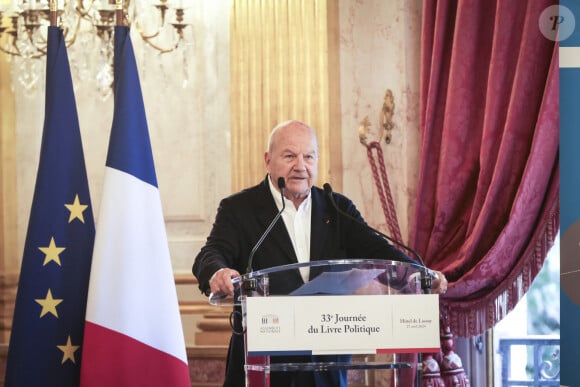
<point>345,324</point>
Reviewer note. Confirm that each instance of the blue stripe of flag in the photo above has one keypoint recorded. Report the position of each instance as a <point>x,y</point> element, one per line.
<point>129,145</point>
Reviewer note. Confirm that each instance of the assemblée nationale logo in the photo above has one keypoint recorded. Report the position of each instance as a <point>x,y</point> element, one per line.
<point>270,323</point>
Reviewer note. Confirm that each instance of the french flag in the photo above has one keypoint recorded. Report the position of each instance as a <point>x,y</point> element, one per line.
<point>133,333</point>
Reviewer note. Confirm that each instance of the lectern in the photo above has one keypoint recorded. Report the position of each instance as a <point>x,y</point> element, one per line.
<point>347,307</point>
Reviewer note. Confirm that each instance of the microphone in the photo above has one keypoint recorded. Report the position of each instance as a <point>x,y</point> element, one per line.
<point>425,280</point>
<point>282,186</point>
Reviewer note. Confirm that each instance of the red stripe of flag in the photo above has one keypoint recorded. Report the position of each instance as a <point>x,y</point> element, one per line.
<point>119,358</point>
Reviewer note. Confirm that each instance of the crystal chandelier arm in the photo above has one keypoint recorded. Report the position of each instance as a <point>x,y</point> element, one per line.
<point>145,36</point>
<point>82,11</point>
<point>75,33</point>
<point>178,25</point>
<point>14,52</point>
<point>10,48</point>
<point>149,38</point>
<point>10,35</point>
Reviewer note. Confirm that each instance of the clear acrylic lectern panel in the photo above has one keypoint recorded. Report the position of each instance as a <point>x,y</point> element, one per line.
<point>343,278</point>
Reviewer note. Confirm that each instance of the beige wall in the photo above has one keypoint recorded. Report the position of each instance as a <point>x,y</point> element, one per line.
<point>377,49</point>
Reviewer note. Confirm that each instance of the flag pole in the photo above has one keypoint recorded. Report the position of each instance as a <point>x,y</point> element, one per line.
<point>119,13</point>
<point>52,11</point>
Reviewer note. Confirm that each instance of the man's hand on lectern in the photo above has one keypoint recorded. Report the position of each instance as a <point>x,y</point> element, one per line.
<point>439,284</point>
<point>220,282</point>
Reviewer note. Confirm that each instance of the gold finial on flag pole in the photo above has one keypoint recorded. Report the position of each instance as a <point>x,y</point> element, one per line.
<point>119,12</point>
<point>52,12</point>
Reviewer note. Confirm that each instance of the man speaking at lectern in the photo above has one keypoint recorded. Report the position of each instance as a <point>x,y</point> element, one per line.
<point>310,229</point>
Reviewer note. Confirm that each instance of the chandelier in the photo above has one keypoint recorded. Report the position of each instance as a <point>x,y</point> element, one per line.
<point>88,28</point>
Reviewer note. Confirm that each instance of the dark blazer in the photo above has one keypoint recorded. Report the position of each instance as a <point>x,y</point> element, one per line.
<point>240,222</point>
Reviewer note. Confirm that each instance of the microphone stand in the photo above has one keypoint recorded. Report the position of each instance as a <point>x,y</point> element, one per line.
<point>426,278</point>
<point>250,283</point>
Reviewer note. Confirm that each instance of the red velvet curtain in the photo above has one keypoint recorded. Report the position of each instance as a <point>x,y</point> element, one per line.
<point>487,209</point>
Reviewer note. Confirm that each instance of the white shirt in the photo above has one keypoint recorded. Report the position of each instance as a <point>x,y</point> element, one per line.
<point>298,222</point>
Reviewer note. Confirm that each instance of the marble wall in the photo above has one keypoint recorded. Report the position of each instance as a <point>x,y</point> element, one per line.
<point>379,51</point>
